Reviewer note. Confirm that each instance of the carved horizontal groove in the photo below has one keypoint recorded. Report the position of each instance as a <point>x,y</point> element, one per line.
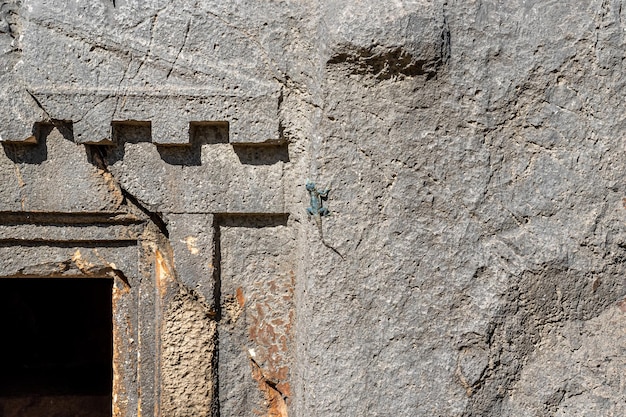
<point>180,92</point>
<point>60,219</point>
<point>268,143</point>
<point>251,219</point>
<point>232,214</point>
<point>7,243</point>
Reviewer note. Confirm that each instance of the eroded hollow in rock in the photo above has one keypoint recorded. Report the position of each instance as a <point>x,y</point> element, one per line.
<point>56,347</point>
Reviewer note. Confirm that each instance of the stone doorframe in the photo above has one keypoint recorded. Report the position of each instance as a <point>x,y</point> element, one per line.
<point>154,275</point>
<point>119,246</point>
<point>177,300</point>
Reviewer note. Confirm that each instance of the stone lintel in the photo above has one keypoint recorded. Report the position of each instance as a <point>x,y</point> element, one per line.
<point>252,120</point>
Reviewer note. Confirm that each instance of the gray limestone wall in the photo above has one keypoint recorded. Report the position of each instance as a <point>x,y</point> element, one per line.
<point>473,263</point>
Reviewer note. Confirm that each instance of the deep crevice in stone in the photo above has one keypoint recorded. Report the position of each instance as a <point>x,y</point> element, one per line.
<point>217,296</point>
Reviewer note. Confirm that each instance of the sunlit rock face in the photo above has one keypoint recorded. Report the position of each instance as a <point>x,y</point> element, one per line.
<point>471,264</point>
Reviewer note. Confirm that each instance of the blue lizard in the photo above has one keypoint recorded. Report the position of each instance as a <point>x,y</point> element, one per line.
<point>317,210</point>
<point>316,206</point>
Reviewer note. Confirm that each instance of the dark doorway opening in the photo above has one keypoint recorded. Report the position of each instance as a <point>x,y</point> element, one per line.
<point>56,347</point>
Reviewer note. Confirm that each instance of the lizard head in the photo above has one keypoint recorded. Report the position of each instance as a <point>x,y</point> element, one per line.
<point>310,186</point>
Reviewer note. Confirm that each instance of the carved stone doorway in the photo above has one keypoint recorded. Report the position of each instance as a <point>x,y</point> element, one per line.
<point>57,347</point>
<point>198,247</point>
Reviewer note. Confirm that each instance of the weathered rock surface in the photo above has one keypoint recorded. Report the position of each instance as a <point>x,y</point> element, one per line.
<point>475,154</point>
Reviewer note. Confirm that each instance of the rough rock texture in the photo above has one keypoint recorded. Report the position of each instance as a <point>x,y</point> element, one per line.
<point>188,347</point>
<point>475,155</point>
<point>257,288</point>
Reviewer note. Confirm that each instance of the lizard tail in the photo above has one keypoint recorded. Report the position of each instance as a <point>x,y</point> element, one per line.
<point>333,249</point>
